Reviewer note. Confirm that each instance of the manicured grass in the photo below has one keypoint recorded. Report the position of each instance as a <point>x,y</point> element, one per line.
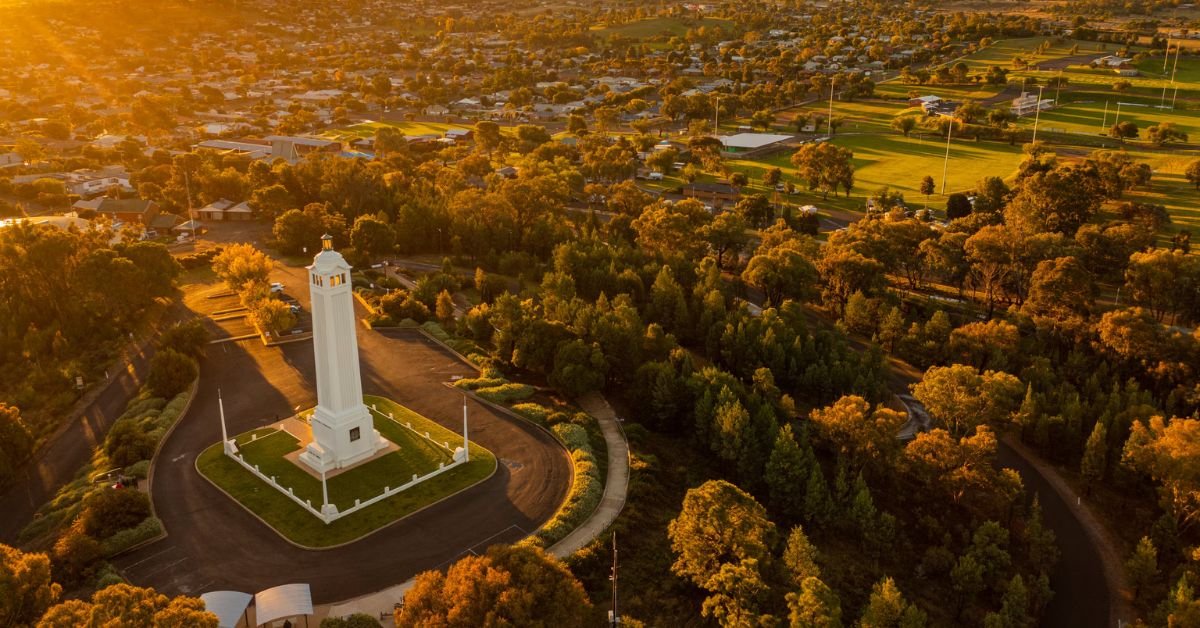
<point>665,27</point>
<point>415,456</point>
<point>1170,189</point>
<point>1001,52</point>
<point>896,161</point>
<point>896,89</point>
<point>368,129</point>
<point>859,116</point>
<point>1083,112</point>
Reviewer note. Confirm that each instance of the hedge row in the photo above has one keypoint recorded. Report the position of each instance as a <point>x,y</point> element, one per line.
<point>506,393</point>
<point>149,528</point>
<point>480,382</point>
<point>583,499</point>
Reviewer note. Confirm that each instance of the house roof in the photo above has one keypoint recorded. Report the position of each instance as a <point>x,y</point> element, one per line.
<point>302,141</point>
<point>125,206</point>
<point>165,221</point>
<point>752,140</point>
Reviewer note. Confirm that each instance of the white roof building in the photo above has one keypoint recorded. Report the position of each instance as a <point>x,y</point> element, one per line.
<point>742,142</point>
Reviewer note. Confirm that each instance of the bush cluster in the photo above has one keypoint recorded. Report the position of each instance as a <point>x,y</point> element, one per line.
<point>506,393</point>
<point>583,499</point>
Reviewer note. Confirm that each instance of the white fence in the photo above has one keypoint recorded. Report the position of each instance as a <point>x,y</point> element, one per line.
<point>329,513</point>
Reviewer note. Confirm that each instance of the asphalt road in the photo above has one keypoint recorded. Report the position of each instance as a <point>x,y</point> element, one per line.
<point>214,544</point>
<point>57,462</point>
<point>1081,595</point>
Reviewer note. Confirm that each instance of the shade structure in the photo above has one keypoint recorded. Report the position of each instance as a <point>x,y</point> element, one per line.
<point>228,606</point>
<point>285,600</point>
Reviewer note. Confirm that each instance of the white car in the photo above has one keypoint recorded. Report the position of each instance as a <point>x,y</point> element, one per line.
<point>276,288</point>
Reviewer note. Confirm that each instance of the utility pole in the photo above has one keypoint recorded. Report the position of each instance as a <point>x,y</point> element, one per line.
<point>1037,114</point>
<point>717,114</point>
<point>1175,68</point>
<point>946,163</point>
<point>614,617</point>
<point>832,82</point>
<point>187,182</point>
<point>1104,121</point>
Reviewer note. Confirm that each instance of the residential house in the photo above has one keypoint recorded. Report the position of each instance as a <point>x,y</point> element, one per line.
<point>129,210</point>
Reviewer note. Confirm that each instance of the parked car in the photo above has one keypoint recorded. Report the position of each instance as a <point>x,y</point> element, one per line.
<point>276,288</point>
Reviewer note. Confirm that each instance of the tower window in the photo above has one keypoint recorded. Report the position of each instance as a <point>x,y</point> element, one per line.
<point>355,433</point>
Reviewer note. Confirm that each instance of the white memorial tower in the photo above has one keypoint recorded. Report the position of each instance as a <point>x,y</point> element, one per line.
<point>342,429</point>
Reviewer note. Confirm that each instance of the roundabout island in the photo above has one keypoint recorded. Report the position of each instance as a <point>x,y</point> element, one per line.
<point>228,529</point>
<point>410,473</point>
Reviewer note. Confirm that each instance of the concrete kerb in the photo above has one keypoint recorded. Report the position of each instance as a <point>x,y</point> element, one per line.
<point>616,484</point>
<point>150,473</point>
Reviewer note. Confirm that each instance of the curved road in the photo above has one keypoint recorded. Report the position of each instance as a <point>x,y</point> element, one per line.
<point>58,461</point>
<point>213,543</point>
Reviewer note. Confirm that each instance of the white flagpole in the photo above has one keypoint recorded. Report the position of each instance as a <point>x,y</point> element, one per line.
<point>224,434</point>
<point>466,441</point>
<point>324,492</point>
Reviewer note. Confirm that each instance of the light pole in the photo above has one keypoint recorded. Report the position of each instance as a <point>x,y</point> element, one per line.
<point>717,113</point>
<point>1104,121</point>
<point>832,82</point>
<point>1037,114</point>
<point>946,162</point>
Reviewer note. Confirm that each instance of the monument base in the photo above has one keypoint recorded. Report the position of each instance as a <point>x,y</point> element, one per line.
<point>322,460</point>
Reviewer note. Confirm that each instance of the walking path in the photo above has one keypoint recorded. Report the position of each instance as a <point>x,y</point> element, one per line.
<point>381,604</point>
<point>615,486</point>
<point>58,460</point>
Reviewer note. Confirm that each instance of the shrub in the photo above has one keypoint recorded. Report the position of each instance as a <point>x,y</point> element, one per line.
<point>481,382</point>
<point>581,502</point>
<point>573,436</point>
<point>75,554</point>
<point>139,469</point>
<point>188,338</point>
<point>141,407</point>
<point>109,511</point>
<point>171,372</point>
<point>170,413</point>
<point>357,620</point>
<point>149,528</point>
<point>532,411</point>
<point>126,443</point>
<point>506,393</point>
<point>107,576</point>
<point>401,304</point>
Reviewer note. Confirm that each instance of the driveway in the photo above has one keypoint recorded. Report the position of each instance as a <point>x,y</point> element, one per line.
<point>214,544</point>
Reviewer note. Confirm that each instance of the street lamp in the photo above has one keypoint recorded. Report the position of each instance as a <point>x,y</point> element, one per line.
<point>832,82</point>
<point>946,162</point>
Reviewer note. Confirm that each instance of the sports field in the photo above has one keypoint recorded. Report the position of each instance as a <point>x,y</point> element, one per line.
<point>660,28</point>
<point>368,129</point>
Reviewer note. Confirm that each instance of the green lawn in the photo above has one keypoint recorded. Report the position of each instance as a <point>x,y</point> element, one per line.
<point>416,456</point>
<point>858,116</point>
<point>1084,112</point>
<point>368,129</point>
<point>1170,189</point>
<point>898,162</point>
<point>1001,52</point>
<point>660,27</point>
<point>896,89</point>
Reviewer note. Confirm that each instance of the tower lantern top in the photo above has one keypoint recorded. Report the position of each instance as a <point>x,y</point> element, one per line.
<point>326,242</point>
